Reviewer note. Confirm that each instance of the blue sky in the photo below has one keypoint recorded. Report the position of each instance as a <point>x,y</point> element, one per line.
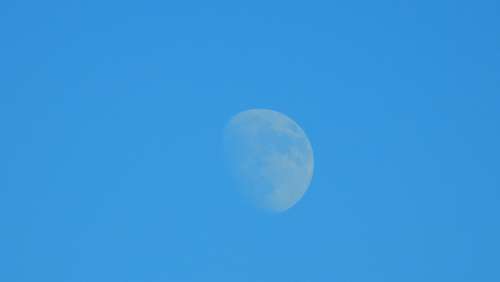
<point>111,119</point>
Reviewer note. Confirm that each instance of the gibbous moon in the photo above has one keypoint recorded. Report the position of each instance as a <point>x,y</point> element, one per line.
<point>270,157</point>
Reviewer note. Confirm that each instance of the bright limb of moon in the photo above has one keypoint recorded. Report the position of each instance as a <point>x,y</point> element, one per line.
<point>270,156</point>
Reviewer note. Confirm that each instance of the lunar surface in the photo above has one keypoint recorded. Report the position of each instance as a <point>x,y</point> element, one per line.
<point>270,158</point>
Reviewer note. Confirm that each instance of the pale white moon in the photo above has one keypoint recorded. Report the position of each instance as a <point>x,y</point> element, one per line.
<point>270,157</point>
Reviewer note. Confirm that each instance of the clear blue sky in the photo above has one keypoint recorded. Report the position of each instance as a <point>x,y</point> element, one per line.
<point>111,119</point>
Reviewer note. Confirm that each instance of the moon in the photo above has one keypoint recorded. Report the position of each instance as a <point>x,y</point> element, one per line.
<point>270,158</point>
